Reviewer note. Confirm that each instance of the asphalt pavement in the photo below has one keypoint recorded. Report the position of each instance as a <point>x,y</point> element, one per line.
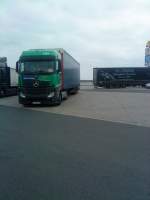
<point>45,156</point>
<point>125,107</point>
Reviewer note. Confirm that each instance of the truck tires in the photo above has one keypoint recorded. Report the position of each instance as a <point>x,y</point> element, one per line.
<point>23,101</point>
<point>73,91</point>
<point>58,99</point>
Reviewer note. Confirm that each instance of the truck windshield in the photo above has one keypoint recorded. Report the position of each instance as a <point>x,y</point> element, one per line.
<point>31,67</point>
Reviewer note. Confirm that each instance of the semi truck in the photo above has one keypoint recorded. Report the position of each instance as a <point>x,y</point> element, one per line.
<point>46,76</point>
<point>121,77</point>
<point>8,79</point>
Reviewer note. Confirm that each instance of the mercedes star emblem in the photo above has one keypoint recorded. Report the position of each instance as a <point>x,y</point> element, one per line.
<point>36,84</point>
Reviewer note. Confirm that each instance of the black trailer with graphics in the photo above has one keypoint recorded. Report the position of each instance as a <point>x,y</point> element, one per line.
<point>121,77</point>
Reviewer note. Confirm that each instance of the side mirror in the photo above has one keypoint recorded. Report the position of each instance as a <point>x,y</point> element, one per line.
<point>17,66</point>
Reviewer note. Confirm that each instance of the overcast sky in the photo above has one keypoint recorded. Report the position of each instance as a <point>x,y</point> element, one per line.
<point>97,33</point>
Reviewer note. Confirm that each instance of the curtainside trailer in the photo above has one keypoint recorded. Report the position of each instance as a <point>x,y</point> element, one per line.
<point>121,77</point>
<point>45,75</point>
<point>8,79</point>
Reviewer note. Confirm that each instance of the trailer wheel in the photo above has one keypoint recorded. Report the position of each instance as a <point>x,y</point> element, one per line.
<point>73,91</point>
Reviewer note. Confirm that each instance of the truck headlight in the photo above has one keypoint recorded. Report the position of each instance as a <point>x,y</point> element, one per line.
<point>51,95</point>
<point>22,95</point>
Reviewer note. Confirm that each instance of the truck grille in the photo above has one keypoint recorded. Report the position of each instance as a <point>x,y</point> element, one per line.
<point>37,92</point>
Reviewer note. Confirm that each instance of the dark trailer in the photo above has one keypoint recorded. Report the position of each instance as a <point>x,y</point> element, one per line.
<point>121,77</point>
<point>8,79</point>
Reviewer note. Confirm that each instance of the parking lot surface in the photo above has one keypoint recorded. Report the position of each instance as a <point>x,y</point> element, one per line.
<point>47,156</point>
<point>126,106</point>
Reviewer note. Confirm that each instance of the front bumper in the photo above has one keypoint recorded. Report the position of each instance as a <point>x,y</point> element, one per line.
<point>36,94</point>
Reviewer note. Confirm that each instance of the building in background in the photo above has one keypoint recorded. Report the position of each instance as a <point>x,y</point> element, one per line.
<point>147,54</point>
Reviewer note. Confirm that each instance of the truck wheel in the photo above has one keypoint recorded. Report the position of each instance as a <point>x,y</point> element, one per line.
<point>64,95</point>
<point>25,103</point>
<point>76,90</point>
<point>58,99</point>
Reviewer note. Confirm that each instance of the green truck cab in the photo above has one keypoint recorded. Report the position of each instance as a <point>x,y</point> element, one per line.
<point>41,76</point>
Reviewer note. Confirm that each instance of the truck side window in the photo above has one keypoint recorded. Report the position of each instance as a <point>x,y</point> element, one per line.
<point>59,65</point>
<point>21,67</point>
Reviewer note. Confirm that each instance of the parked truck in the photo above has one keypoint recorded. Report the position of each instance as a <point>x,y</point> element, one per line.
<point>46,76</point>
<point>121,77</point>
<point>8,79</point>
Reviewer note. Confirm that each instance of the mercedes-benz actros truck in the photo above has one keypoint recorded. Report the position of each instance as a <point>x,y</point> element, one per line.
<point>45,75</point>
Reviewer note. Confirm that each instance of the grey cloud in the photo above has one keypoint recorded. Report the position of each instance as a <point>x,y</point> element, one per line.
<point>97,33</point>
